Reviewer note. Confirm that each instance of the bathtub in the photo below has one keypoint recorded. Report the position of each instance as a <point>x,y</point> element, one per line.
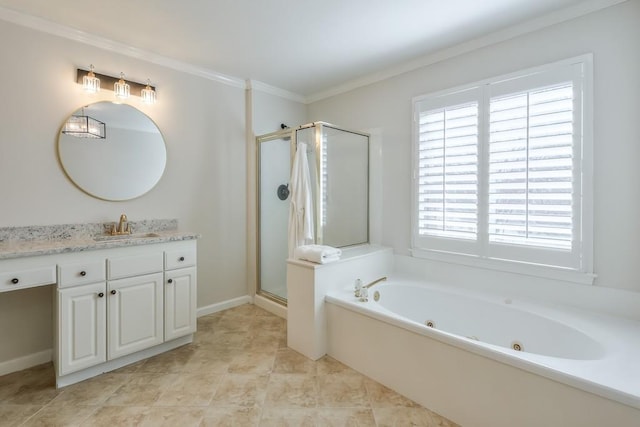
<point>483,359</point>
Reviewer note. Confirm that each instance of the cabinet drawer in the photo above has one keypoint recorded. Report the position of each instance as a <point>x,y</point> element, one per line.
<point>134,265</point>
<point>27,278</point>
<point>81,273</point>
<point>179,259</point>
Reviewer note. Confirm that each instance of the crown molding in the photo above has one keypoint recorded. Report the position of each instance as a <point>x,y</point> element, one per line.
<point>63,31</point>
<point>530,26</point>
<point>282,93</point>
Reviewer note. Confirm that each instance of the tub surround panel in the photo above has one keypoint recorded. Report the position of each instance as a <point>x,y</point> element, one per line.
<point>467,388</point>
<point>586,350</point>
<point>308,283</point>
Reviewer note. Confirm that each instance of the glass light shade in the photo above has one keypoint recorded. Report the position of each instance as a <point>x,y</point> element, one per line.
<point>84,127</point>
<point>148,94</point>
<point>121,88</point>
<point>90,82</point>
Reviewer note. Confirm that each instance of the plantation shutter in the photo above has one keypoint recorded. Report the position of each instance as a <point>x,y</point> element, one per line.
<point>531,167</point>
<point>448,171</point>
<point>501,168</point>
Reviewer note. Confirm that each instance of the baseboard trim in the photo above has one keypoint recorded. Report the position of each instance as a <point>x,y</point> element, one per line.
<point>224,305</point>
<point>271,306</point>
<point>25,362</point>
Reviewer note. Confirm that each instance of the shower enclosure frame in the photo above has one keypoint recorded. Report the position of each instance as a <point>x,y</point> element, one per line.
<point>291,133</point>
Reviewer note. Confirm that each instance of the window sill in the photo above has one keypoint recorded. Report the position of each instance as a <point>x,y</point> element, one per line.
<point>527,269</point>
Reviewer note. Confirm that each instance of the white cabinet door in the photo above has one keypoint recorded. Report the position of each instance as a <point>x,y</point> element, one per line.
<point>179,303</point>
<point>135,314</point>
<point>82,327</point>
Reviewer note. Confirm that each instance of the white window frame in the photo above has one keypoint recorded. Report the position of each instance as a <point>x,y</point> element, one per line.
<point>576,266</point>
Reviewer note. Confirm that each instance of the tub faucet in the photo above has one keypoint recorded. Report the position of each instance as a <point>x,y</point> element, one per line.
<point>382,279</point>
<point>122,228</point>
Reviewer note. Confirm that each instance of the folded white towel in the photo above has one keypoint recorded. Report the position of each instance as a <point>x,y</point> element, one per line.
<point>320,254</point>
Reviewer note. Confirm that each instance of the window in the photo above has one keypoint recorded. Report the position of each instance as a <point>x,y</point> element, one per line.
<point>503,170</point>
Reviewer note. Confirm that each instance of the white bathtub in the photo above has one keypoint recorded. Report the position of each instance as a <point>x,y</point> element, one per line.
<point>560,346</point>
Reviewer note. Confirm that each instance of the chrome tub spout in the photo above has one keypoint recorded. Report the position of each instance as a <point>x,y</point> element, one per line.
<point>382,279</point>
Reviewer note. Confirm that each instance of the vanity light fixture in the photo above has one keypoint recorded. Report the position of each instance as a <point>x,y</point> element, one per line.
<point>90,82</point>
<point>83,126</point>
<point>148,94</point>
<point>121,88</point>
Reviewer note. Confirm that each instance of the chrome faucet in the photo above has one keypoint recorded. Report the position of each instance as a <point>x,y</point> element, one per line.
<point>122,227</point>
<point>382,279</point>
<point>362,292</point>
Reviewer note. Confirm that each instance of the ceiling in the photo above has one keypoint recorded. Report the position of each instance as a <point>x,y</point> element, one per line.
<point>303,46</point>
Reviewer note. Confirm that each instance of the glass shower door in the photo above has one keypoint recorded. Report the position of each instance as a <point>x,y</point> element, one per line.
<point>274,162</point>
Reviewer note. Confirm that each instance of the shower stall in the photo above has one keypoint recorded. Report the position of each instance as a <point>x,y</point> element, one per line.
<point>339,168</point>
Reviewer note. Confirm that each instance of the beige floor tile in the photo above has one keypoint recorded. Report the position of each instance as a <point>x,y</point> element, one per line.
<point>238,372</point>
<point>231,416</point>
<point>232,324</point>
<point>252,363</point>
<point>345,417</point>
<point>169,362</point>
<point>15,415</point>
<point>381,396</point>
<point>130,369</point>
<point>291,362</point>
<point>342,390</point>
<point>268,323</point>
<point>287,417</point>
<point>329,365</point>
<point>111,416</point>
<point>67,416</point>
<point>403,417</point>
<point>291,391</point>
<point>173,417</point>
<point>142,389</point>
<point>440,421</point>
<point>266,342</point>
<point>92,392</point>
<point>34,394</point>
<point>210,359</point>
<point>241,390</point>
<point>189,389</point>
<point>228,339</point>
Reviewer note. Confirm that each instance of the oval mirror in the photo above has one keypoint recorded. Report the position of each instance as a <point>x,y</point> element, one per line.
<point>112,151</point>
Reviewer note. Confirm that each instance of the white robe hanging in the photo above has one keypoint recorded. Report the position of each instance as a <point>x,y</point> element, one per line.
<point>301,230</point>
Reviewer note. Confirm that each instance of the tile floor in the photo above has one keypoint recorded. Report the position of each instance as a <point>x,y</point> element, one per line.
<point>238,372</point>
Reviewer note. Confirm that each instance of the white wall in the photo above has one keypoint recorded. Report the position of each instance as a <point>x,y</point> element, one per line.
<point>612,35</point>
<point>204,184</point>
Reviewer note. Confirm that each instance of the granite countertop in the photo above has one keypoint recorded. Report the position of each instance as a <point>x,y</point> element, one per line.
<point>20,242</point>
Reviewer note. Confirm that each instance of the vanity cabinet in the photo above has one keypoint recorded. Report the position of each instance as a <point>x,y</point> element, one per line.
<point>27,273</point>
<point>82,327</point>
<point>114,307</point>
<point>180,293</point>
<point>134,314</point>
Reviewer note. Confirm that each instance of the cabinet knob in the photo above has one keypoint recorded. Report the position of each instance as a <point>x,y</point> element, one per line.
<point>181,258</point>
<point>113,291</point>
<point>15,280</point>
<point>83,273</point>
<point>170,280</point>
<point>101,294</point>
